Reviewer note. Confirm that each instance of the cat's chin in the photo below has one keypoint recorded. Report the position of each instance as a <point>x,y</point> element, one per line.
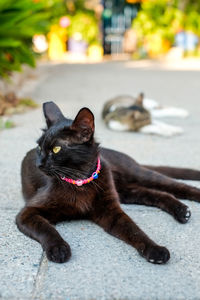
<point>47,173</point>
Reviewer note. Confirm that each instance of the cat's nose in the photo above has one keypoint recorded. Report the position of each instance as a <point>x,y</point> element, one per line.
<point>39,164</point>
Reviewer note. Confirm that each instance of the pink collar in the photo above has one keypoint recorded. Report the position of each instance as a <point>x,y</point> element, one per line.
<point>80,182</point>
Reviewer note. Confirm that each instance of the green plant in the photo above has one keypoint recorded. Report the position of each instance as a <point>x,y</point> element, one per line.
<point>157,23</point>
<point>6,124</point>
<point>28,102</point>
<point>85,24</point>
<point>79,5</point>
<point>19,21</point>
<point>192,22</point>
<point>158,17</point>
<point>188,5</point>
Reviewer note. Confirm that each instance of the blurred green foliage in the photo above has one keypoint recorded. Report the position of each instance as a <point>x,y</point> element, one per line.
<point>76,5</point>
<point>28,102</point>
<point>19,21</point>
<point>158,21</point>
<point>158,17</point>
<point>187,5</point>
<point>6,124</point>
<point>86,24</point>
<point>82,20</point>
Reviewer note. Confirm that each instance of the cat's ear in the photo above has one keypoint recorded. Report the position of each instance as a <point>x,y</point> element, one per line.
<point>140,99</point>
<point>84,124</point>
<point>52,113</point>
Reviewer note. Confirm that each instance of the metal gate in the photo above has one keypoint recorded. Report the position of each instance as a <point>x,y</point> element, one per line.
<point>117,17</point>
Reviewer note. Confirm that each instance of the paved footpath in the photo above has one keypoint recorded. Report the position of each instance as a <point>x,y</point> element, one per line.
<point>103,267</point>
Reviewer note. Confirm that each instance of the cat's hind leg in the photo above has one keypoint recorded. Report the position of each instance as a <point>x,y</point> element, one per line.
<point>135,194</point>
<point>155,180</point>
<point>178,173</point>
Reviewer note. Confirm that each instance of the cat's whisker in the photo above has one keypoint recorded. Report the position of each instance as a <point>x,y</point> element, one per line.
<point>73,187</point>
<point>97,185</point>
<point>70,173</point>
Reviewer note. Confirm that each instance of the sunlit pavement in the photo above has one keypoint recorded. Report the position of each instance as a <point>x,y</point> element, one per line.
<point>101,266</point>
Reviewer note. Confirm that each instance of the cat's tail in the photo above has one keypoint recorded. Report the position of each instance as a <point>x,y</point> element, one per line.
<point>177,173</point>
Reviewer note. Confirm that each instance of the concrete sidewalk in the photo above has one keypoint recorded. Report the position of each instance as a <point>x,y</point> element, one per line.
<point>102,267</point>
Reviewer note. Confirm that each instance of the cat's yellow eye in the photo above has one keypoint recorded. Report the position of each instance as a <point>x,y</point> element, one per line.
<point>56,149</point>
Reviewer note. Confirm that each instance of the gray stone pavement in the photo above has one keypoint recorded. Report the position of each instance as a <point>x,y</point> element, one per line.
<point>102,267</point>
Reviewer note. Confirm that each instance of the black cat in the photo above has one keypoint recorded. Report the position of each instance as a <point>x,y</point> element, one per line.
<point>68,176</point>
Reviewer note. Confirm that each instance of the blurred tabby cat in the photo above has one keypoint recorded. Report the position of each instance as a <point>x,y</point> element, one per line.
<point>127,113</point>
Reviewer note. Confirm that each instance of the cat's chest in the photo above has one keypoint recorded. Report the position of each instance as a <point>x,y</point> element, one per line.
<point>74,200</point>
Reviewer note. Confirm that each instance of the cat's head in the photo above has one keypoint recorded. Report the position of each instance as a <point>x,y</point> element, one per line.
<point>66,145</point>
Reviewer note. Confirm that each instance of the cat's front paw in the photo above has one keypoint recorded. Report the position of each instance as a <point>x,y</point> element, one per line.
<point>157,254</point>
<point>183,214</point>
<point>59,252</point>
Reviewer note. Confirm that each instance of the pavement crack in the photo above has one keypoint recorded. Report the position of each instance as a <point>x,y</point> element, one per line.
<point>40,277</point>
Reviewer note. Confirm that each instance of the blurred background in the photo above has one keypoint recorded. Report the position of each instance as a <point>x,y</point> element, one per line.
<point>91,31</point>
